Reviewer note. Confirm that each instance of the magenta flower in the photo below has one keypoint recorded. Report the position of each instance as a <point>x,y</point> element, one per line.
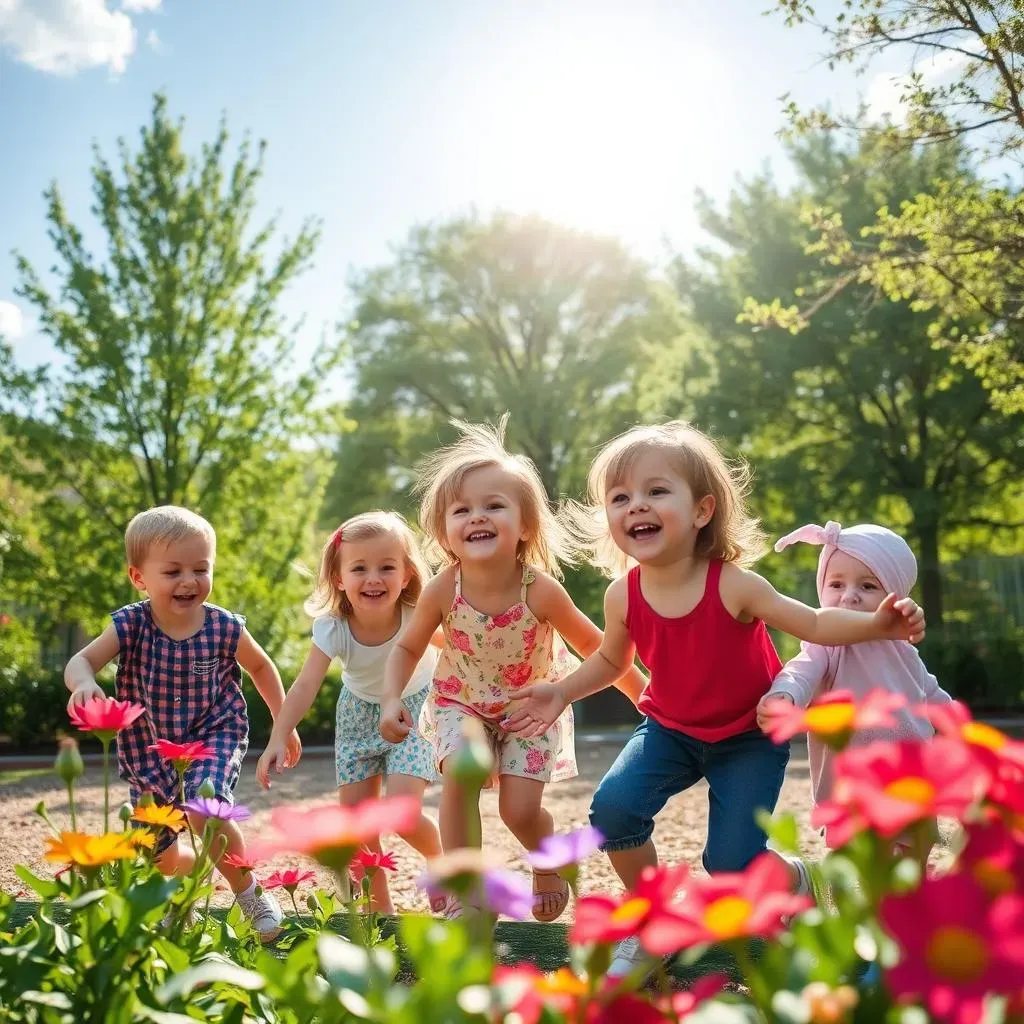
<point>221,810</point>
<point>507,893</point>
<point>560,851</point>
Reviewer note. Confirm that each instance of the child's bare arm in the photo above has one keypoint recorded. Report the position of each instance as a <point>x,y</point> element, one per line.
<point>745,593</point>
<point>263,672</point>
<point>551,601</point>
<point>80,672</point>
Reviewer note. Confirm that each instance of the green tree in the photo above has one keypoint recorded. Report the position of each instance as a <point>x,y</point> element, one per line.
<point>955,247</point>
<point>859,415</point>
<point>475,318</point>
<point>168,387</point>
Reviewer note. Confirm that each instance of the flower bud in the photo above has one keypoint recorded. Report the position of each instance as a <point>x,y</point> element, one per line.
<point>125,813</point>
<point>68,764</point>
<point>473,759</point>
<point>207,789</point>
<point>146,800</point>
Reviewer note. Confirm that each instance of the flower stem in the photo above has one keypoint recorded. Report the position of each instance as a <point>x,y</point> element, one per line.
<point>106,785</point>
<point>71,805</point>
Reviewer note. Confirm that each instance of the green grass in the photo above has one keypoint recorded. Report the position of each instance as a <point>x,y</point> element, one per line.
<point>18,774</point>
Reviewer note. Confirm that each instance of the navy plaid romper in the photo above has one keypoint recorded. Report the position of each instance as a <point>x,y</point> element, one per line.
<point>191,690</point>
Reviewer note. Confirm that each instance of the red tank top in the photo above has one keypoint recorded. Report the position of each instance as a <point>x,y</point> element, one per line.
<point>708,670</point>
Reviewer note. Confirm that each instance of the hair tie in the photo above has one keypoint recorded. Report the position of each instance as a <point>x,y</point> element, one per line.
<point>336,539</point>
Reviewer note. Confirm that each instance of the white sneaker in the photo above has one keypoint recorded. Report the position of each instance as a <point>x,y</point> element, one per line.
<point>627,957</point>
<point>190,920</point>
<point>263,912</point>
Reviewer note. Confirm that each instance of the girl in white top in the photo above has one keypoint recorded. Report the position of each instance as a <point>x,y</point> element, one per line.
<point>370,577</point>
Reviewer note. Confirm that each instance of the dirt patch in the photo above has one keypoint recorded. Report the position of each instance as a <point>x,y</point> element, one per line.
<point>679,833</point>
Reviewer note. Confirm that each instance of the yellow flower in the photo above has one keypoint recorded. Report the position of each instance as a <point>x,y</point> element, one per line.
<point>89,851</point>
<point>165,817</point>
<point>141,839</point>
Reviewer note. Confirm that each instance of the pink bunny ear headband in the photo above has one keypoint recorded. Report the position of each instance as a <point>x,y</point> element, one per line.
<point>885,553</point>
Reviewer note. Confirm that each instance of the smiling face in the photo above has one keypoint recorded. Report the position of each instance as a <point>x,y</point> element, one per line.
<point>373,573</point>
<point>653,514</point>
<point>178,577</point>
<point>484,521</point>
<point>849,583</point>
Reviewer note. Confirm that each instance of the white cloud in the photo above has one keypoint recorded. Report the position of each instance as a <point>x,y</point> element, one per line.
<point>885,92</point>
<point>153,40</point>
<point>12,321</point>
<point>67,36</point>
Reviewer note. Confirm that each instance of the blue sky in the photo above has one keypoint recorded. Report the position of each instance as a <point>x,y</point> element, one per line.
<point>603,114</point>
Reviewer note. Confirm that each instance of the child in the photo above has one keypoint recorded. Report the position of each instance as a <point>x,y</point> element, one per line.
<point>858,566</point>
<point>370,577</point>
<point>666,499</point>
<point>503,615</point>
<point>181,659</point>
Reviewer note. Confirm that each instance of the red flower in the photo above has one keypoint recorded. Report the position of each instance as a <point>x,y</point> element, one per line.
<point>288,880</point>
<point>332,834</point>
<point>245,862</point>
<point>833,718</point>
<point>733,905</point>
<point>701,990</point>
<point>526,991</point>
<point>1003,757</point>
<point>529,640</point>
<point>105,716</point>
<point>514,614</point>
<point>460,640</point>
<point>649,911</point>
<point>365,861</point>
<point>889,786</point>
<point>182,755</point>
<point>5,619</point>
<point>994,858</point>
<point>517,675</point>
<point>957,946</point>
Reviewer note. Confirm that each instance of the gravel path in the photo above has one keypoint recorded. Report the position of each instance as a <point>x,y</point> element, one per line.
<point>679,832</point>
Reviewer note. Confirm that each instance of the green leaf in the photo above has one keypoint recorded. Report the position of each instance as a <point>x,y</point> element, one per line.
<point>45,887</point>
<point>88,898</point>
<point>55,1000</point>
<point>345,965</point>
<point>211,972</point>
<point>782,830</point>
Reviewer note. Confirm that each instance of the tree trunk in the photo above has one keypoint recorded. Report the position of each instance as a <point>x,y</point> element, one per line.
<point>931,572</point>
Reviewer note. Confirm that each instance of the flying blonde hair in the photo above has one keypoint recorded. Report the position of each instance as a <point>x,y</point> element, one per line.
<point>440,478</point>
<point>732,535</point>
<point>327,598</point>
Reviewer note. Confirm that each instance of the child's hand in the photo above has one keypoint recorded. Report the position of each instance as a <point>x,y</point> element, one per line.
<point>535,710</point>
<point>274,758</point>
<point>395,721</point>
<point>293,750</point>
<point>764,714</point>
<point>85,692</point>
<point>900,619</point>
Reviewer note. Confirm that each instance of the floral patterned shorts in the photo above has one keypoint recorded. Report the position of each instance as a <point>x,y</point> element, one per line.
<point>360,752</point>
<point>550,757</point>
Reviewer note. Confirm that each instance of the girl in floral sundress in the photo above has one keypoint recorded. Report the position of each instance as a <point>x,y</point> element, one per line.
<point>504,615</point>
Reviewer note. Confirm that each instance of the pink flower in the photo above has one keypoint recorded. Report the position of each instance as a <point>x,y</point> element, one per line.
<point>288,880</point>
<point>957,946</point>
<point>700,991</point>
<point>890,786</point>
<point>994,858</point>
<point>514,614</point>
<point>732,905</point>
<point>534,761</point>
<point>451,685</point>
<point>243,862</point>
<point>332,834</point>
<point>529,640</point>
<point>460,640</point>
<point>182,755</point>
<point>833,718</point>
<point>365,861</point>
<point>517,675</point>
<point>649,911</point>
<point>105,716</point>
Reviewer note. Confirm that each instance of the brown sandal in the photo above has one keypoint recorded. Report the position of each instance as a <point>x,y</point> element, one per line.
<point>549,904</point>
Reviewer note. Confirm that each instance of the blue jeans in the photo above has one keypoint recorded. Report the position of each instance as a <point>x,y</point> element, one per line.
<point>744,772</point>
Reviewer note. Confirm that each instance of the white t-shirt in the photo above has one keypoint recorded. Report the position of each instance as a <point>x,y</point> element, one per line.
<point>362,667</point>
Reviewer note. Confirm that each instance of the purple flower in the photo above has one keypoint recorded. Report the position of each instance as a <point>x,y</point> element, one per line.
<point>558,851</point>
<point>221,810</point>
<point>507,893</point>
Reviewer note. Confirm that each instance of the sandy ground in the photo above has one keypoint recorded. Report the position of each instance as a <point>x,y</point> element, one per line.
<point>679,832</point>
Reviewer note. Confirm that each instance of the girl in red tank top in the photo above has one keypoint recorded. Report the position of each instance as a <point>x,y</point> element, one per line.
<point>669,511</point>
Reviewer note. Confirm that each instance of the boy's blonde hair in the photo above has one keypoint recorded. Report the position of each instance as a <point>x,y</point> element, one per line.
<point>164,524</point>
<point>442,474</point>
<point>327,598</point>
<point>732,535</point>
